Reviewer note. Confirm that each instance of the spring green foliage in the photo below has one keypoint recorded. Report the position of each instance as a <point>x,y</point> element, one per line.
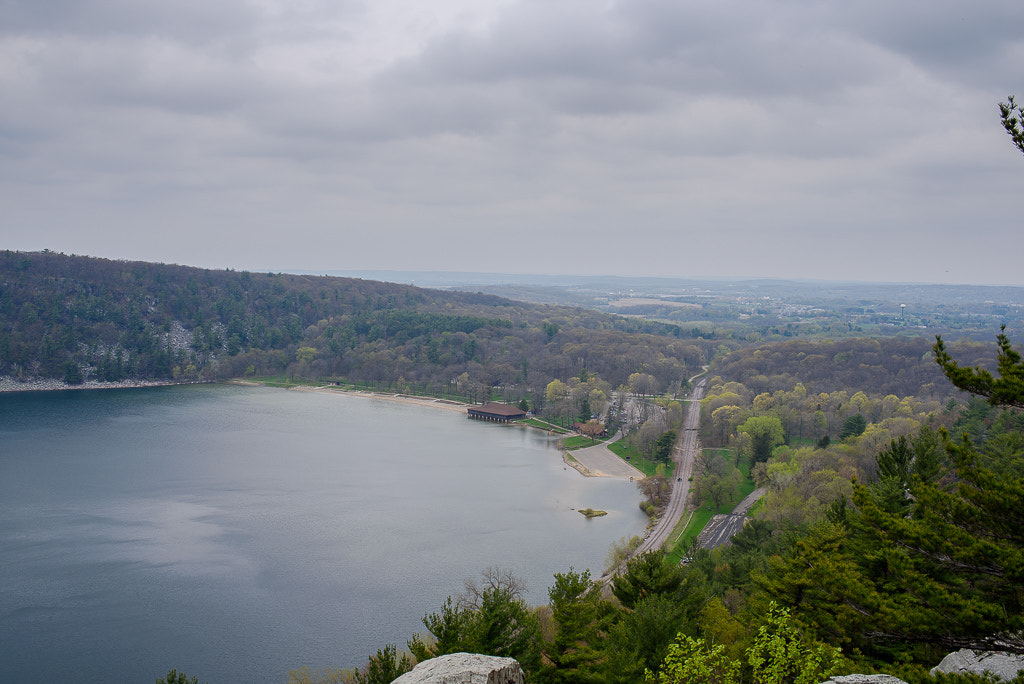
<point>716,479</point>
<point>620,550</point>
<point>694,661</point>
<point>119,320</point>
<point>922,555</point>
<point>780,654</point>
<point>766,433</point>
<point>327,675</point>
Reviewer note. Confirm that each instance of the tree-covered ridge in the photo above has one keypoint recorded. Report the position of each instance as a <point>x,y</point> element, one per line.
<point>902,366</point>
<point>77,318</point>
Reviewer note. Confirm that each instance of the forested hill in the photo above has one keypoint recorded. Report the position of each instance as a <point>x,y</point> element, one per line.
<point>76,318</point>
<point>900,366</point>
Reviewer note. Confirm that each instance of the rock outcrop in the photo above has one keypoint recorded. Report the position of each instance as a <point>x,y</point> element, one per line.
<point>864,679</point>
<point>1004,666</point>
<point>464,668</point>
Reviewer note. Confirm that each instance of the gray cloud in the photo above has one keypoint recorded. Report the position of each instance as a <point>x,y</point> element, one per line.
<point>784,138</point>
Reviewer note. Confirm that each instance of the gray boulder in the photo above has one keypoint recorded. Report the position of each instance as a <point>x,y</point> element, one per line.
<point>864,679</point>
<point>1004,666</point>
<point>464,668</point>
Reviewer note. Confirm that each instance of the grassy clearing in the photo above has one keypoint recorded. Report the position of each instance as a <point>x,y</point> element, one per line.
<point>689,526</point>
<point>282,381</point>
<point>638,460</point>
<point>578,442</point>
<point>534,422</point>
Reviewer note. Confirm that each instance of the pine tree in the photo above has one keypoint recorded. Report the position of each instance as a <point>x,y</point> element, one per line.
<point>581,621</point>
<point>1006,390</point>
<point>926,555</point>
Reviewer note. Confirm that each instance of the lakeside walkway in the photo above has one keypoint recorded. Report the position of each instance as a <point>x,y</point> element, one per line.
<point>600,461</point>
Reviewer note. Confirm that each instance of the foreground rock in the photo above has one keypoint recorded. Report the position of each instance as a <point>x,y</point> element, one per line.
<point>864,679</point>
<point>464,668</point>
<point>1004,666</point>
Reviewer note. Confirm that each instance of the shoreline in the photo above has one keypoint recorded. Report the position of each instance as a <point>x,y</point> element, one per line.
<point>434,402</point>
<point>568,458</point>
<point>9,384</point>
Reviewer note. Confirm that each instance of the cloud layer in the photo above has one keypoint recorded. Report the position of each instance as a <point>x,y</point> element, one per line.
<point>781,138</point>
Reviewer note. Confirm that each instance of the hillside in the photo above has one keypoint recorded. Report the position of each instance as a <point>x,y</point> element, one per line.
<point>900,366</point>
<point>77,318</point>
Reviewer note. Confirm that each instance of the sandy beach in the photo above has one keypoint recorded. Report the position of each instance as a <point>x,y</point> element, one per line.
<point>388,396</point>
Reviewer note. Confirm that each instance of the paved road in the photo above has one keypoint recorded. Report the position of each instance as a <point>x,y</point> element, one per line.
<point>722,528</point>
<point>600,461</point>
<point>683,454</point>
<point>748,501</point>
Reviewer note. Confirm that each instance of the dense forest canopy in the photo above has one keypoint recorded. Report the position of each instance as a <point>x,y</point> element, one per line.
<point>77,318</point>
<point>886,365</point>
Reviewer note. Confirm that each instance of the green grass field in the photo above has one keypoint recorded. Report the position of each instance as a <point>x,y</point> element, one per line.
<point>579,442</point>
<point>534,422</point>
<point>637,460</point>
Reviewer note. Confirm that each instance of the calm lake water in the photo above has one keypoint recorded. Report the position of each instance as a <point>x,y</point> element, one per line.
<point>237,533</point>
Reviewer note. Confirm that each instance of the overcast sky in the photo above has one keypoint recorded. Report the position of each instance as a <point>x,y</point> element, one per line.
<point>824,139</point>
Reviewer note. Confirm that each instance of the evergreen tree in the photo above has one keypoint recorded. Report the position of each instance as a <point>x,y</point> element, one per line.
<point>576,653</point>
<point>649,574</point>
<point>853,426</point>
<point>1005,390</point>
<point>175,677</point>
<point>936,559</point>
<point>492,620</point>
<point>1009,112</point>
<point>384,667</point>
<point>663,446</point>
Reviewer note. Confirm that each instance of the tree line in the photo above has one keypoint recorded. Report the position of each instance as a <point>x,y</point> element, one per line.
<point>897,365</point>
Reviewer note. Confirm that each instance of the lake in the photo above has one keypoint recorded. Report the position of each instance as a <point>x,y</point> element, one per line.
<point>236,533</point>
